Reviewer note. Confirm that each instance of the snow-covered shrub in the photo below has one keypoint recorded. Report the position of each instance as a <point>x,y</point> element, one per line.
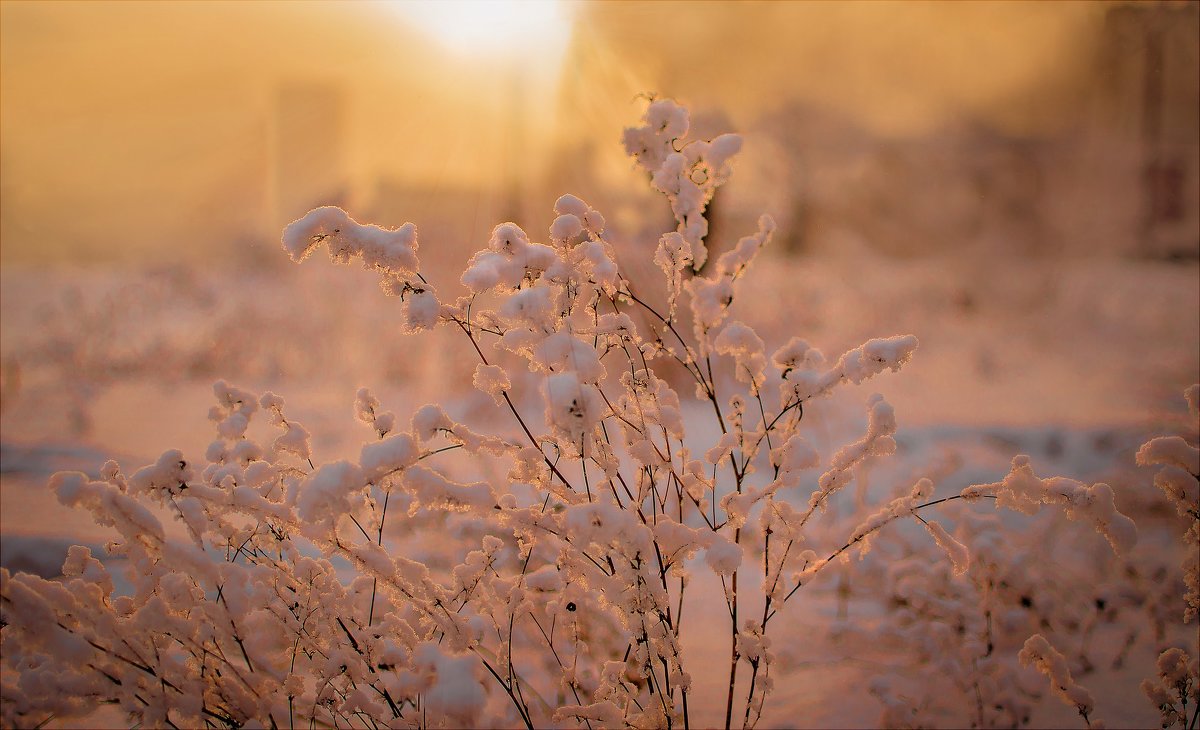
<point>1178,678</point>
<point>1179,479</point>
<point>569,542</point>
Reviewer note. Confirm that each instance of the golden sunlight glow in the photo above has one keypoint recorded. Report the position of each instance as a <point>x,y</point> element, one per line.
<point>508,27</point>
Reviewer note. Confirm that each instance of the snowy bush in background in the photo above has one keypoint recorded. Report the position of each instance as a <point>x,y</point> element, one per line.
<point>555,570</point>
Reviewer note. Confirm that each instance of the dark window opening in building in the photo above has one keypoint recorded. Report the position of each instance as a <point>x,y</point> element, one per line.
<point>1164,189</point>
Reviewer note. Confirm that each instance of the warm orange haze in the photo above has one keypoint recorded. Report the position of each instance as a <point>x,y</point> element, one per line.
<point>213,123</point>
<point>1013,186</point>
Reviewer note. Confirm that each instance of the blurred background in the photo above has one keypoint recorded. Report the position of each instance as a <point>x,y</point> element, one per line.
<point>185,130</point>
<point>1014,183</point>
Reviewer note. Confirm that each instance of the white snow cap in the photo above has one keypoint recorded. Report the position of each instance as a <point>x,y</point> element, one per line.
<point>575,218</point>
<point>508,238</point>
<point>569,204</point>
<point>722,555</point>
<point>1023,491</point>
<point>877,355</point>
<point>572,406</point>
<point>1038,652</point>
<point>665,121</point>
<point>380,458</point>
<point>491,379</point>
<point>325,494</point>
<point>747,349</point>
<point>392,250</point>
<point>565,228</point>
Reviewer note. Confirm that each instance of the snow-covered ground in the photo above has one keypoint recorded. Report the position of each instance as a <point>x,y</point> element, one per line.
<point>1074,362</point>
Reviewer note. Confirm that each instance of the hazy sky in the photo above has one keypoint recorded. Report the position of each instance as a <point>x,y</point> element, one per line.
<point>147,126</point>
<point>900,68</point>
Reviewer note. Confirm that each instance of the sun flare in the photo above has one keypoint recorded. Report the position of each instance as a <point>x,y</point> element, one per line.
<point>489,26</point>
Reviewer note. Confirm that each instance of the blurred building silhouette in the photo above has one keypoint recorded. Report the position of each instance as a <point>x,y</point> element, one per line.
<point>1101,158</point>
<point>1113,169</point>
<point>455,219</point>
<point>307,149</point>
<point>1117,172</point>
<point>1149,104</point>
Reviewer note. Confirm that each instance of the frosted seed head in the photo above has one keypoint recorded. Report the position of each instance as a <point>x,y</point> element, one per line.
<point>565,229</point>
<point>594,222</point>
<point>572,205</point>
<point>667,118</point>
<point>508,239</point>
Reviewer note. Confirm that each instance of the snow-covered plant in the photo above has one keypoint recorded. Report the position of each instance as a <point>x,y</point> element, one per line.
<point>541,569</point>
<point>1039,653</point>
<point>1179,479</point>
<point>1178,679</point>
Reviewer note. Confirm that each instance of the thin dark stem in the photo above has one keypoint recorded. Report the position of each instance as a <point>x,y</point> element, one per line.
<point>750,695</point>
<point>427,454</point>
<point>733,654</point>
<point>665,459</point>
<point>562,666</point>
<point>359,526</point>
<point>379,541</point>
<point>583,464</point>
<point>516,413</point>
<point>687,723</point>
<point>763,414</point>
<point>520,709</point>
<point>858,539</point>
<point>670,325</point>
